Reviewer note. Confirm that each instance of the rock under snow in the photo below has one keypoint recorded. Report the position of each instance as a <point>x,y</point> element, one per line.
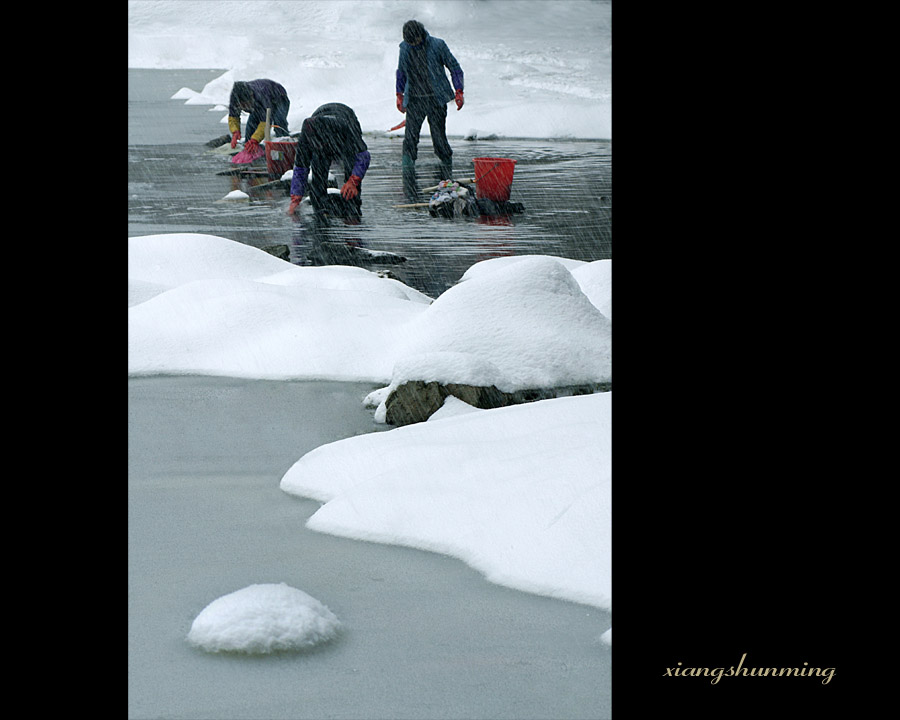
<point>510,332</point>
<point>263,618</point>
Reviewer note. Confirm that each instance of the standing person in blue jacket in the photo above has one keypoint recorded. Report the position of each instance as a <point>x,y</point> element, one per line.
<point>331,134</point>
<point>423,92</point>
<point>254,97</point>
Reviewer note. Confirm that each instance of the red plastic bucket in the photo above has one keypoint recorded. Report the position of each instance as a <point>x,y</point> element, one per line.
<point>280,157</point>
<point>493,176</point>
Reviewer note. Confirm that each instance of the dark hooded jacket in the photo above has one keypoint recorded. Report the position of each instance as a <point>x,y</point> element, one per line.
<point>437,57</point>
<point>331,133</point>
<point>255,96</point>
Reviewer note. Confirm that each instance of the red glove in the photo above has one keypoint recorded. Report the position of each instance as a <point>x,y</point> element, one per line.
<point>252,145</point>
<point>235,136</point>
<point>295,202</point>
<point>400,102</point>
<point>459,99</point>
<point>351,188</point>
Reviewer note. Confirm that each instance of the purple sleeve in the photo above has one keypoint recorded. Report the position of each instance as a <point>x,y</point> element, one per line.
<point>361,164</point>
<point>457,77</point>
<point>401,81</point>
<point>298,181</point>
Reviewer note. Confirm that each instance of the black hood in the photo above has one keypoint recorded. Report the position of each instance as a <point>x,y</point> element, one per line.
<point>241,93</point>
<point>414,32</point>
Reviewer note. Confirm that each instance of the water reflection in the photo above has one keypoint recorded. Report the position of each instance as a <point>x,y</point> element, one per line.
<point>495,220</point>
<point>320,243</point>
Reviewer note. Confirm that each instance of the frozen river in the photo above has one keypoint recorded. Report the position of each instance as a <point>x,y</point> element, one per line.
<point>425,636</point>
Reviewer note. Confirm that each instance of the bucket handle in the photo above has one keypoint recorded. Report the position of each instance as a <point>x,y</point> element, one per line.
<point>477,179</point>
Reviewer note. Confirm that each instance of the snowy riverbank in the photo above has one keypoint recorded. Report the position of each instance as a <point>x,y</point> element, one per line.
<point>520,493</point>
<point>551,60</point>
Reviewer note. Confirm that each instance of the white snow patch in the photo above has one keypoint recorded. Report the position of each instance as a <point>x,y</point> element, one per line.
<point>521,493</point>
<point>236,196</point>
<point>263,618</point>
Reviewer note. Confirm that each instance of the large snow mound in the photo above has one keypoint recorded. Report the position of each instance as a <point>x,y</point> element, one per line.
<point>202,304</point>
<point>522,493</point>
<point>528,324</point>
<point>263,618</point>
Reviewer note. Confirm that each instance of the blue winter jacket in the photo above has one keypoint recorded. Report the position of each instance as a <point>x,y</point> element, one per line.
<point>438,56</point>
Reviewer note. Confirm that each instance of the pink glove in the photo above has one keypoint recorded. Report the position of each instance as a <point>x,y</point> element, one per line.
<point>295,202</point>
<point>459,99</point>
<point>235,136</point>
<point>251,151</point>
<point>400,102</point>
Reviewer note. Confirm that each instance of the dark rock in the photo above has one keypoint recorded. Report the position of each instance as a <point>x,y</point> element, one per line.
<point>416,400</point>
<point>279,251</point>
<point>413,402</point>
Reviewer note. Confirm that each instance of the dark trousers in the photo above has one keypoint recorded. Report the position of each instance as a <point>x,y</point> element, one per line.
<point>417,111</point>
<point>279,118</point>
<point>318,186</point>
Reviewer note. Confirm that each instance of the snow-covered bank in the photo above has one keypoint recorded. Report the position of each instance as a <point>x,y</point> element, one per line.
<point>549,60</point>
<point>202,304</point>
<point>522,494</point>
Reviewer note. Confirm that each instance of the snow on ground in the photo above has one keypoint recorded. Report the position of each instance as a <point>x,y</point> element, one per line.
<point>552,59</point>
<point>594,279</point>
<point>521,493</point>
<point>263,618</point>
<point>202,304</point>
<point>527,323</point>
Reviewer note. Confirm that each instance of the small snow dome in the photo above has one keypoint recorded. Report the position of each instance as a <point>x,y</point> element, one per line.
<point>263,618</point>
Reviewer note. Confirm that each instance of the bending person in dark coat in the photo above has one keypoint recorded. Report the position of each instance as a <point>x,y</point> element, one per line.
<point>331,134</point>
<point>254,97</point>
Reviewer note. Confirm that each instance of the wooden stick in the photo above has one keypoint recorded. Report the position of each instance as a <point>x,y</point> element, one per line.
<point>412,205</point>
<point>218,142</point>
<point>268,131</point>
<point>268,186</point>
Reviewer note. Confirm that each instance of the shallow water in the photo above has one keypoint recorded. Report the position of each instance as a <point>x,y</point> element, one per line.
<point>564,187</point>
<point>425,636</point>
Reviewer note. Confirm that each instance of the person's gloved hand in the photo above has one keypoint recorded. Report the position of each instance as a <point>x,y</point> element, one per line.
<point>252,146</point>
<point>400,102</point>
<point>235,136</point>
<point>295,203</point>
<point>351,188</point>
<point>459,99</point>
